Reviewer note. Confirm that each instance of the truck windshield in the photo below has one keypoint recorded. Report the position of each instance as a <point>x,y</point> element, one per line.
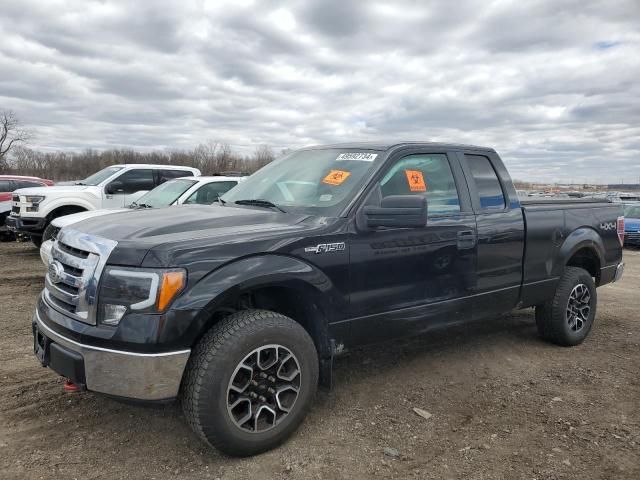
<point>632,211</point>
<point>165,194</point>
<point>316,181</point>
<point>99,177</point>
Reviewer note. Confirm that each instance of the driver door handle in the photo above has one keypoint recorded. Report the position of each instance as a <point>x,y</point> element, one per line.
<point>466,239</point>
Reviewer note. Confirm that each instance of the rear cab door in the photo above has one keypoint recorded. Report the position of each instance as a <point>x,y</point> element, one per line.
<point>500,230</point>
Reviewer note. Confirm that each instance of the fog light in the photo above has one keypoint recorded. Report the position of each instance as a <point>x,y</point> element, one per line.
<point>111,314</point>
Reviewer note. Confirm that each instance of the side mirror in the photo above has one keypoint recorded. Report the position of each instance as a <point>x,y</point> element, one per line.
<point>398,211</point>
<point>114,187</point>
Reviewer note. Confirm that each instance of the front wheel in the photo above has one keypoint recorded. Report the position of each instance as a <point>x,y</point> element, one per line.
<point>567,318</point>
<point>250,382</point>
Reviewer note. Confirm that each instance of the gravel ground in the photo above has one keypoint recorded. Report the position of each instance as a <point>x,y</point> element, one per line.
<point>503,404</point>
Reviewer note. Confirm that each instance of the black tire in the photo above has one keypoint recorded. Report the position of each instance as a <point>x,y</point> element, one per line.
<point>36,240</point>
<point>217,357</point>
<point>553,320</point>
<point>49,232</point>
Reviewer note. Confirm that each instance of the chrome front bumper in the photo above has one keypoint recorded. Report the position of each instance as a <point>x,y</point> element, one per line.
<point>140,376</point>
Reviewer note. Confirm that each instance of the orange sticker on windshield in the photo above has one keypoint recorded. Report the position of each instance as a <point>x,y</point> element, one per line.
<point>336,177</point>
<point>416,181</point>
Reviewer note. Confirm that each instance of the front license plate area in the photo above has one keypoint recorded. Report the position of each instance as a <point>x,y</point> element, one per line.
<point>41,346</point>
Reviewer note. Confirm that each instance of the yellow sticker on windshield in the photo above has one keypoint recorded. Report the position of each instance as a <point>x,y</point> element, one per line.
<point>416,181</point>
<point>336,177</point>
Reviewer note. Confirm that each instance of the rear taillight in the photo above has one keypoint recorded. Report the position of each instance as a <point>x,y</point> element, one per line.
<point>620,228</point>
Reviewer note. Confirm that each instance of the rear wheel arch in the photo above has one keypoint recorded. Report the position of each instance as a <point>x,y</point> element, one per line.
<point>583,248</point>
<point>588,259</point>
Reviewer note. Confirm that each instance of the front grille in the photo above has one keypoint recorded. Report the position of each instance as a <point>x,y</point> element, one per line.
<point>632,236</point>
<point>71,283</point>
<point>54,232</point>
<point>76,252</point>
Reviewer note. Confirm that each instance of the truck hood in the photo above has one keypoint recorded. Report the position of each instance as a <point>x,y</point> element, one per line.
<point>174,231</point>
<point>76,217</point>
<point>55,190</point>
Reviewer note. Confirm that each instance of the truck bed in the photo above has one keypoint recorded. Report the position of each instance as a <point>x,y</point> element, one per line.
<point>549,223</point>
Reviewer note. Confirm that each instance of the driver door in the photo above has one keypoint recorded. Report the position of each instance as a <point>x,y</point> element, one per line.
<point>405,280</point>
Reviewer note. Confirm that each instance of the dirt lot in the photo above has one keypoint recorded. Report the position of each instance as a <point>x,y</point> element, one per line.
<point>504,405</point>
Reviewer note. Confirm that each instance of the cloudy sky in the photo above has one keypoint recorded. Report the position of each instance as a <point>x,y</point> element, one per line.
<point>553,85</point>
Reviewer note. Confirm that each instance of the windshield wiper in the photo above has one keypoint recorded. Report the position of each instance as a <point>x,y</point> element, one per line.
<point>259,202</point>
<point>139,205</point>
<point>80,183</point>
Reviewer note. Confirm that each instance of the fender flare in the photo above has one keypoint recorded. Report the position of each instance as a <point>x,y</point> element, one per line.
<point>252,272</point>
<point>584,237</point>
<point>259,271</point>
<point>64,204</point>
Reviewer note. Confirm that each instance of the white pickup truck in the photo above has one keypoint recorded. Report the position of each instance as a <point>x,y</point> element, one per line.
<point>110,188</point>
<point>180,191</point>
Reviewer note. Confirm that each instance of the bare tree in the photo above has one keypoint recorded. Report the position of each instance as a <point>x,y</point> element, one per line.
<point>11,134</point>
<point>263,155</point>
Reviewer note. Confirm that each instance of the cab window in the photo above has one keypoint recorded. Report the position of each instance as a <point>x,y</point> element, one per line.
<point>427,175</point>
<point>26,184</point>
<point>166,175</point>
<point>487,183</point>
<point>209,193</point>
<point>134,181</point>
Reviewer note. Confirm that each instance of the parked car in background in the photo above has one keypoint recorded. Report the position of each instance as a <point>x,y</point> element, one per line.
<point>11,183</point>
<point>632,224</point>
<point>185,190</point>
<point>5,233</point>
<point>113,187</point>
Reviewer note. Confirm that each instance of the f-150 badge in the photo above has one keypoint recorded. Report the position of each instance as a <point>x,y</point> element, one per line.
<point>326,248</point>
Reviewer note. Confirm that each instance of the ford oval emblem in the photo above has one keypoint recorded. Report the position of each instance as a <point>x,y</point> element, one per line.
<point>56,272</point>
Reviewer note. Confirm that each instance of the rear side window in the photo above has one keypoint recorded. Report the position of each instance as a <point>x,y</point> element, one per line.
<point>165,175</point>
<point>136,180</point>
<point>209,193</point>
<point>487,183</point>
<point>5,186</point>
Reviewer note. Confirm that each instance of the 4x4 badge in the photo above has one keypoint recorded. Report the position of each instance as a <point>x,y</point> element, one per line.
<point>326,247</point>
<point>608,226</point>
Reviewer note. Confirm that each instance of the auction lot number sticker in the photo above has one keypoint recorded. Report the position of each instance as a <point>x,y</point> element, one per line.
<point>359,156</point>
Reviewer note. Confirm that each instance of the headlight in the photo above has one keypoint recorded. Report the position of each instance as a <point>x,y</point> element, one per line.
<point>34,200</point>
<point>124,290</point>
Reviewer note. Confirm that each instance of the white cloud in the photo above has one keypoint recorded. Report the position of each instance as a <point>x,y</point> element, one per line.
<point>552,84</point>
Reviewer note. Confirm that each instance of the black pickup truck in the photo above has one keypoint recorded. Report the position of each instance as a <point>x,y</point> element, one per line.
<point>238,309</point>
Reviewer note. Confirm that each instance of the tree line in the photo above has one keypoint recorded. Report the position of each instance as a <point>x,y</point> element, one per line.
<point>211,158</point>
<point>17,159</point>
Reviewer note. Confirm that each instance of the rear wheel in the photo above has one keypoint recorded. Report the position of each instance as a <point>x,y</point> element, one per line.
<point>567,318</point>
<point>250,382</point>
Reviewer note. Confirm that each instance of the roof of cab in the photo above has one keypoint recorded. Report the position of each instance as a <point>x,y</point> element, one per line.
<point>383,146</point>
